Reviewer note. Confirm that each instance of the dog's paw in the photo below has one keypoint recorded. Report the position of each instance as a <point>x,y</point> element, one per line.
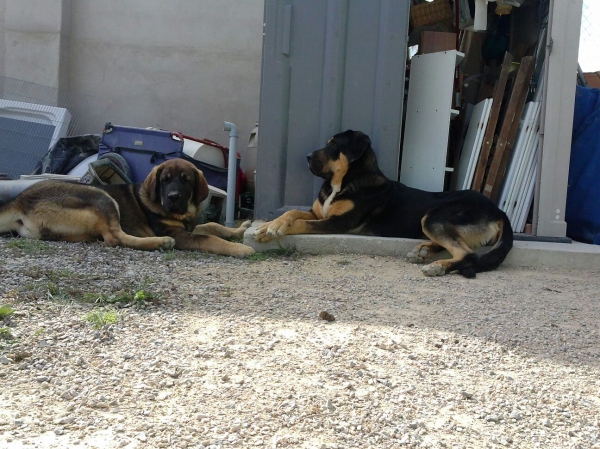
<point>434,269</point>
<point>260,235</point>
<point>245,225</point>
<point>167,243</point>
<point>241,250</point>
<point>278,227</point>
<point>418,254</point>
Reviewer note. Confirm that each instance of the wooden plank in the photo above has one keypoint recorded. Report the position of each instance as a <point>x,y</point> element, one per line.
<point>528,66</point>
<point>509,128</point>
<point>488,137</point>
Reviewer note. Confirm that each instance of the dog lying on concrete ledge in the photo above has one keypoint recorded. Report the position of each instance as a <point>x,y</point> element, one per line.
<point>356,198</point>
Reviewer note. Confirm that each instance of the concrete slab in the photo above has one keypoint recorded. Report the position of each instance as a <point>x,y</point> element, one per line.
<point>552,255</point>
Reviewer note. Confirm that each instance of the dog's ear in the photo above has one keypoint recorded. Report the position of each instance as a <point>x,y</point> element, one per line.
<point>358,145</point>
<point>152,184</point>
<point>201,188</point>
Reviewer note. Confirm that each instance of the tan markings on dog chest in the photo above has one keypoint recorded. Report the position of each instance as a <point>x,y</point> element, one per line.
<point>339,167</point>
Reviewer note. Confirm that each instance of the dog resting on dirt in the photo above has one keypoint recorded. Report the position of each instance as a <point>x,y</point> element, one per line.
<point>159,213</point>
<point>356,198</point>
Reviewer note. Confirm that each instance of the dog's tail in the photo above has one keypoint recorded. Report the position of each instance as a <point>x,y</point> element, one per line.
<point>473,263</point>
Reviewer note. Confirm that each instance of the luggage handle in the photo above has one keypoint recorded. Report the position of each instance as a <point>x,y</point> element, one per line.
<point>155,154</point>
<point>108,127</point>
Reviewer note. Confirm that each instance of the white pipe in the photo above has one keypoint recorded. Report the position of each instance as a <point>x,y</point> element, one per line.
<point>231,173</point>
<point>10,189</point>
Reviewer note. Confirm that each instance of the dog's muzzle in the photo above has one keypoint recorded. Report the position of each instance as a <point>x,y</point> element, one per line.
<point>175,203</point>
<point>314,164</point>
<point>174,196</point>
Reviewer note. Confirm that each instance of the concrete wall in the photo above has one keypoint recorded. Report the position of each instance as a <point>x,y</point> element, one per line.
<point>184,65</point>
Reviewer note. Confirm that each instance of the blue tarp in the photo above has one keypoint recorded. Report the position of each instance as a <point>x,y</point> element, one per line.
<point>583,192</point>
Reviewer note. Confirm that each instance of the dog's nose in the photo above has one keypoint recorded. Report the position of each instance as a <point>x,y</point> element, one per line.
<point>309,157</point>
<point>174,196</point>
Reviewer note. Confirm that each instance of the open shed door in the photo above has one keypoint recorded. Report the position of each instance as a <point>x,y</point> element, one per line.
<point>328,66</point>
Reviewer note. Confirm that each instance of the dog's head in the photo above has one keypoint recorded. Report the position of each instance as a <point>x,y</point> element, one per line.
<point>333,161</point>
<point>176,184</point>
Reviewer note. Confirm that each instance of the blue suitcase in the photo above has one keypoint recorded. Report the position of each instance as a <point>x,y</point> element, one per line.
<point>143,149</point>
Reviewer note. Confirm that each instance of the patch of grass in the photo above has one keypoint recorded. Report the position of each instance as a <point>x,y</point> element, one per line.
<point>259,257</point>
<point>137,294</point>
<point>238,239</point>
<point>99,319</point>
<point>55,275</point>
<point>52,285</point>
<point>169,255</point>
<point>52,288</point>
<point>39,332</point>
<point>280,252</point>
<point>29,246</point>
<point>5,334</point>
<point>6,310</point>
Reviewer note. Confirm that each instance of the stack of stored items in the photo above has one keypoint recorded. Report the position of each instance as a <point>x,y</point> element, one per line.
<point>492,145</point>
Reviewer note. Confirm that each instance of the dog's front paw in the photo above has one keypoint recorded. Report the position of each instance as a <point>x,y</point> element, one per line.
<point>434,269</point>
<point>260,235</point>
<point>418,254</point>
<point>167,243</point>
<point>245,225</point>
<point>278,227</point>
<point>241,250</point>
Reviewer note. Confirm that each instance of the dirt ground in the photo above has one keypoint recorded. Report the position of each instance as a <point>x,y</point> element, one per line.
<point>207,351</point>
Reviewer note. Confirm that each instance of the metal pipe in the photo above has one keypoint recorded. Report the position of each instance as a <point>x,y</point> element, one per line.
<point>231,173</point>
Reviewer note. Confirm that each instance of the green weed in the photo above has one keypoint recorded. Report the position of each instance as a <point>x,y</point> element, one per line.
<point>280,252</point>
<point>29,246</point>
<point>99,319</point>
<point>169,255</point>
<point>5,334</point>
<point>6,310</point>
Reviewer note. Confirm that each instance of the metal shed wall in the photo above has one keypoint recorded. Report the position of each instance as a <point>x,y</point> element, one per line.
<point>328,66</point>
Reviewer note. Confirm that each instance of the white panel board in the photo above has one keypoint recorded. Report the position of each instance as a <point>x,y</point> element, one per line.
<point>428,119</point>
<point>514,168</point>
<point>472,144</point>
<point>517,191</point>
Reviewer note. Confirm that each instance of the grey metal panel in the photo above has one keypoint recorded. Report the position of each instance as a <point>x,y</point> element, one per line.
<point>328,65</point>
<point>22,145</point>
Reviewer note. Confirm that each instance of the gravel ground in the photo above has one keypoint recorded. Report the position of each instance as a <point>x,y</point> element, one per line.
<point>209,351</point>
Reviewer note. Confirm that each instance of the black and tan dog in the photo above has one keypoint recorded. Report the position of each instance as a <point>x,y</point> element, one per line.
<point>159,213</point>
<point>357,198</point>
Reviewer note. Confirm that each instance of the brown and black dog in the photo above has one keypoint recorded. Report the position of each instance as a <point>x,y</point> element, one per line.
<point>356,198</point>
<point>159,213</point>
